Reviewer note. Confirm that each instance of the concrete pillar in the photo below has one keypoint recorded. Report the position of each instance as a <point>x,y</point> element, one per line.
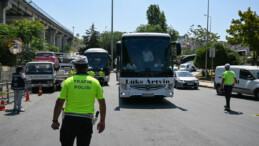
<point>64,42</point>
<point>51,37</point>
<point>4,6</point>
<point>59,42</point>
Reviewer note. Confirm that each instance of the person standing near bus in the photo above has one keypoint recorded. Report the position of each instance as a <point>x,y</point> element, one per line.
<point>79,92</point>
<point>228,80</point>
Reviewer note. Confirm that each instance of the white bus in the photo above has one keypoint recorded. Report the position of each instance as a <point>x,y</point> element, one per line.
<point>145,64</point>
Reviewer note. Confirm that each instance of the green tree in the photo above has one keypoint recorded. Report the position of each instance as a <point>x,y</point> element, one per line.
<point>52,48</point>
<point>162,21</point>
<point>105,41</point>
<point>199,35</point>
<point>223,55</point>
<point>7,34</point>
<point>91,39</point>
<point>28,32</point>
<point>245,31</point>
<point>153,15</point>
<point>157,23</point>
<point>149,28</point>
<point>173,33</point>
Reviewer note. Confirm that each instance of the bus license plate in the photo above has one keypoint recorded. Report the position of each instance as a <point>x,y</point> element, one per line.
<point>147,94</point>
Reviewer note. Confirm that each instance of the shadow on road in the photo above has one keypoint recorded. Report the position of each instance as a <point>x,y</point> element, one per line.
<point>10,113</point>
<point>147,103</point>
<point>231,112</point>
<point>245,97</point>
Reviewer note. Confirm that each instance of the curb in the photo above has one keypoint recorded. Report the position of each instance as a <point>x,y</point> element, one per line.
<point>206,86</point>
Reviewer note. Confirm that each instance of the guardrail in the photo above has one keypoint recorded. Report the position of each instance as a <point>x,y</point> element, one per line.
<point>5,90</point>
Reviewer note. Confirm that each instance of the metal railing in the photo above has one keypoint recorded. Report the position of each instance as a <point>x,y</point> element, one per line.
<point>5,90</point>
<point>31,3</point>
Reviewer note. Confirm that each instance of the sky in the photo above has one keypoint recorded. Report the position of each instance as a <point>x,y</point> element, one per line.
<point>129,14</point>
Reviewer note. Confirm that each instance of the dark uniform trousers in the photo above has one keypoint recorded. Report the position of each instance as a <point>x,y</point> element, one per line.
<point>76,127</point>
<point>228,91</point>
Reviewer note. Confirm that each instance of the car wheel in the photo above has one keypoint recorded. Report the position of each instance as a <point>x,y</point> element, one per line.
<point>239,94</point>
<point>176,85</point>
<point>257,94</point>
<point>218,90</point>
<point>195,87</point>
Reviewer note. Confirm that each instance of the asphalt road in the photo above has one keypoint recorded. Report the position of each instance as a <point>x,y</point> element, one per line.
<point>190,118</point>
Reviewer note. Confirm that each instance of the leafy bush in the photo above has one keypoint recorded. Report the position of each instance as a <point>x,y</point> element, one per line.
<point>223,55</point>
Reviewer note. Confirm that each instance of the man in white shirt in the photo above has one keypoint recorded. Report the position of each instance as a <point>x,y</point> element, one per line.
<point>147,56</point>
<point>131,66</point>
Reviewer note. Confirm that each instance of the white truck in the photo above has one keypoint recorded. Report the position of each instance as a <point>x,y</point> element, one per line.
<point>42,72</point>
<point>247,79</point>
<point>150,75</point>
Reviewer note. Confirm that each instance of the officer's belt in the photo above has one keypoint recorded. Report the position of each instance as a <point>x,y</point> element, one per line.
<point>90,116</point>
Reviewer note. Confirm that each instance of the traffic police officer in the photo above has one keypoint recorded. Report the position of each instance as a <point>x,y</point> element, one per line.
<point>90,72</point>
<point>228,80</point>
<point>79,92</point>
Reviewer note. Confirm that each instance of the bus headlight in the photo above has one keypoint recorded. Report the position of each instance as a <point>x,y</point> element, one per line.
<point>170,86</point>
<point>124,86</point>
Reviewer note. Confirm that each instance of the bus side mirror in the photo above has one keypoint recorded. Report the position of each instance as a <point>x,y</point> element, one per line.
<point>178,49</point>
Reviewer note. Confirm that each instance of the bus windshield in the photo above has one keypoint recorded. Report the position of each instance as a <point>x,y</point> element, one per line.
<point>146,57</point>
<point>98,61</point>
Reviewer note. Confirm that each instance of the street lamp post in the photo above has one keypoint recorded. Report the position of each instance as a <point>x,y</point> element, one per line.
<point>112,36</point>
<point>206,58</point>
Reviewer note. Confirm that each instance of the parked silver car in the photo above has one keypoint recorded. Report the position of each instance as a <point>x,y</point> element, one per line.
<point>185,79</point>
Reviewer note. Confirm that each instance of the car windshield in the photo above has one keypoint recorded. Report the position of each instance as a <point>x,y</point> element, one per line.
<point>39,68</point>
<point>44,54</point>
<point>255,73</point>
<point>184,74</point>
<point>182,66</point>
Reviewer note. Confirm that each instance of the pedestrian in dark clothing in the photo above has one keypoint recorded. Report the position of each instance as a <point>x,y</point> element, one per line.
<point>18,85</point>
<point>228,80</point>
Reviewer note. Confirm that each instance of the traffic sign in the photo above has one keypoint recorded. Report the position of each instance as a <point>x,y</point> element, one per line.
<point>212,52</point>
<point>15,47</point>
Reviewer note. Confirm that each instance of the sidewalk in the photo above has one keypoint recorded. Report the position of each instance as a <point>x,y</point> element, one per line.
<point>204,83</point>
<point>207,84</point>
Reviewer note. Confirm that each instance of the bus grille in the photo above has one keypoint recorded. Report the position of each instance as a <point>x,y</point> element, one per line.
<point>147,87</point>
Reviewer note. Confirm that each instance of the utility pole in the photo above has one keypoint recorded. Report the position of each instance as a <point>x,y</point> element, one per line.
<point>112,36</point>
<point>206,58</point>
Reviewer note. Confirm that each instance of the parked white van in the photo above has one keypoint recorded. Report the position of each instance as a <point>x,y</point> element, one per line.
<point>247,79</point>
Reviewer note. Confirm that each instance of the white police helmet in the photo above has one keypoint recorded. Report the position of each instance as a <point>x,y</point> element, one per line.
<point>227,65</point>
<point>81,60</point>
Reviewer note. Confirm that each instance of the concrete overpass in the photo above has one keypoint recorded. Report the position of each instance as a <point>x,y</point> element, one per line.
<point>55,33</point>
